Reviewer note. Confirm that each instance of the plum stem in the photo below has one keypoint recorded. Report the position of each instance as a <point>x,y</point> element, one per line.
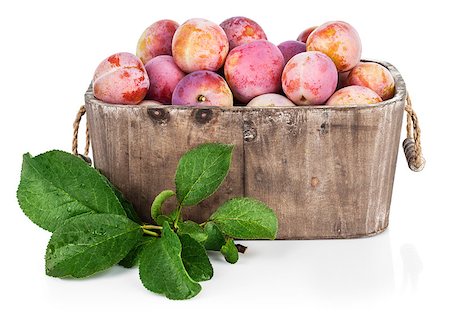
<point>201,98</point>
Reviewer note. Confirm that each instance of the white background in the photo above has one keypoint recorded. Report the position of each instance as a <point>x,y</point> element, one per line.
<point>48,53</point>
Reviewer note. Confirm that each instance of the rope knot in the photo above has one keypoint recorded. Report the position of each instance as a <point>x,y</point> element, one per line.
<point>412,145</point>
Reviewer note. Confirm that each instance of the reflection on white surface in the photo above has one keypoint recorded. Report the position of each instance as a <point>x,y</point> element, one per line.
<point>328,272</point>
<point>412,267</point>
<point>345,269</point>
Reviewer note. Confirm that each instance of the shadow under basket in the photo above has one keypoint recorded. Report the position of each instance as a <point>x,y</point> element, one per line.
<point>327,172</point>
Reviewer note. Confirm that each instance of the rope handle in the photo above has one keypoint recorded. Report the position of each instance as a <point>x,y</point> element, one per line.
<point>412,145</point>
<point>76,126</point>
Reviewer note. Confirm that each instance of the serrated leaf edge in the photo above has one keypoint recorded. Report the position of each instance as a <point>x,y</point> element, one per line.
<point>211,218</point>
<point>90,247</point>
<point>30,157</point>
<point>204,249</point>
<point>166,224</point>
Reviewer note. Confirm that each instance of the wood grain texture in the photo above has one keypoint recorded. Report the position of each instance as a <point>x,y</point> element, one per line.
<point>328,172</point>
<point>138,148</point>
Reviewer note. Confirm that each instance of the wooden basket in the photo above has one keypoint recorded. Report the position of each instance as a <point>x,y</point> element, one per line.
<point>327,172</point>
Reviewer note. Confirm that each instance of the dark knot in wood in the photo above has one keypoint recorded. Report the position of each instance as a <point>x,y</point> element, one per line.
<point>315,181</point>
<point>250,132</point>
<point>160,115</point>
<point>324,128</point>
<point>203,115</point>
<point>338,227</point>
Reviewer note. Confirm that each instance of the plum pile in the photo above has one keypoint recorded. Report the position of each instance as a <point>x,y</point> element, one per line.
<point>203,63</point>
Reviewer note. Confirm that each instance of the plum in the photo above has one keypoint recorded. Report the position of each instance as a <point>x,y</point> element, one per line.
<point>199,44</point>
<point>338,40</point>
<point>373,76</point>
<point>242,30</point>
<point>121,79</point>
<point>305,34</point>
<point>309,78</point>
<point>253,69</point>
<point>354,95</point>
<point>270,100</point>
<point>164,75</point>
<point>343,79</point>
<point>290,48</point>
<point>202,87</point>
<point>156,40</point>
<point>150,102</point>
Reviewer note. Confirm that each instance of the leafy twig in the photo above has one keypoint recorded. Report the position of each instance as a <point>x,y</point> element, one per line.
<point>97,222</point>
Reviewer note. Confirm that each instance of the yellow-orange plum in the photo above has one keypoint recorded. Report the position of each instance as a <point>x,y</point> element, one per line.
<point>373,76</point>
<point>354,95</point>
<point>199,44</point>
<point>338,40</point>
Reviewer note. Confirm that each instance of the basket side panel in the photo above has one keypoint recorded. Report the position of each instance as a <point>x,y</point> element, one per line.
<point>327,173</point>
<point>138,149</point>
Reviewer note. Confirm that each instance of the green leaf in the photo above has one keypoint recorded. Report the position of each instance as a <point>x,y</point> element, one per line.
<point>230,252</point>
<point>215,239</point>
<point>163,218</point>
<point>161,268</point>
<point>195,259</point>
<point>126,205</point>
<point>168,218</point>
<point>89,243</point>
<point>132,258</point>
<point>159,201</point>
<point>246,218</point>
<point>193,230</point>
<point>201,171</point>
<point>56,186</point>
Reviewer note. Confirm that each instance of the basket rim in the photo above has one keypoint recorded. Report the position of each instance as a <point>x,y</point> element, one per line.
<point>399,96</point>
